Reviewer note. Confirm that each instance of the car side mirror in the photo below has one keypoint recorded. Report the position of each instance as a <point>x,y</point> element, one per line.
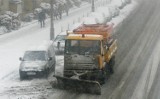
<point>50,58</point>
<point>21,59</point>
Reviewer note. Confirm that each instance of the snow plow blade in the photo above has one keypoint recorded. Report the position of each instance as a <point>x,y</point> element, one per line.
<point>78,85</point>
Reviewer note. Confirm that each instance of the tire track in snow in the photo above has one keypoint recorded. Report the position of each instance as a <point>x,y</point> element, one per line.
<point>33,89</point>
<point>144,85</point>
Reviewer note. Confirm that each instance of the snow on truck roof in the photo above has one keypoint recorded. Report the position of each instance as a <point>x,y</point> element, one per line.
<point>94,27</point>
<point>44,46</point>
<point>98,29</point>
<point>85,36</point>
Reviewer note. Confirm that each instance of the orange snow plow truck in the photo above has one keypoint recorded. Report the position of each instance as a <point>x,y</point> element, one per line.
<point>89,57</point>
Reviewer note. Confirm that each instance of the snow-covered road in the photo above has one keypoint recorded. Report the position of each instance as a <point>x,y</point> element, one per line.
<point>132,65</point>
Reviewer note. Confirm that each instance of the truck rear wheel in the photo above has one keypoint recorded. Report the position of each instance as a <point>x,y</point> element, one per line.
<point>46,72</point>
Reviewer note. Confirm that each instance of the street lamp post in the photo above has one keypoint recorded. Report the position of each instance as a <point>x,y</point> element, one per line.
<point>52,22</point>
<point>93,7</point>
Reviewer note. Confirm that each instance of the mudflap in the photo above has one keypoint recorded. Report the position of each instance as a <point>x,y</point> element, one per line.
<point>78,85</point>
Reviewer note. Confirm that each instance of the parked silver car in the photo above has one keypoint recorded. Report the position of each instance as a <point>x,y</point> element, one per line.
<point>59,43</point>
<point>37,62</point>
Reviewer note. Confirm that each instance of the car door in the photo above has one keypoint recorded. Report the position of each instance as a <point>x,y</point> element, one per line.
<point>52,54</point>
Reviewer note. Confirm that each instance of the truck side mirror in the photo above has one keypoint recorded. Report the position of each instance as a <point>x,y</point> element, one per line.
<point>106,47</point>
<point>50,58</point>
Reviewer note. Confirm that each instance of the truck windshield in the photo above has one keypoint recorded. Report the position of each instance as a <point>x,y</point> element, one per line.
<point>82,46</point>
<point>35,56</point>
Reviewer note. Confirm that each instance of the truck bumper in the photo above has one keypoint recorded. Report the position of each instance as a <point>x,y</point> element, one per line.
<point>69,73</point>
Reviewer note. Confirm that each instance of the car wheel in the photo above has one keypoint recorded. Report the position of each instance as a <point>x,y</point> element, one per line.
<point>54,66</point>
<point>22,75</point>
<point>46,72</point>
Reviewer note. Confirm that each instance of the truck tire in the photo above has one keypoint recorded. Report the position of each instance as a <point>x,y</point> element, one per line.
<point>54,66</point>
<point>111,64</point>
<point>22,77</point>
<point>46,72</point>
<point>101,77</point>
<point>112,61</point>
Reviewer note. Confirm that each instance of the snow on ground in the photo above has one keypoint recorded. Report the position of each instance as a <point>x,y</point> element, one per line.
<point>14,44</point>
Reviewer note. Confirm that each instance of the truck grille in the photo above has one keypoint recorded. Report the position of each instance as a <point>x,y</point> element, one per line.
<point>79,66</point>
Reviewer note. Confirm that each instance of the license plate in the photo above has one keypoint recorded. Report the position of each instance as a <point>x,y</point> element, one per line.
<point>31,73</point>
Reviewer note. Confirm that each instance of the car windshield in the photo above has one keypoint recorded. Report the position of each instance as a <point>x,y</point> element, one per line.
<point>82,46</point>
<point>60,38</point>
<point>35,56</point>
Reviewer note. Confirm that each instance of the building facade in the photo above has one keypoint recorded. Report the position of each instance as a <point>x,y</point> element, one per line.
<point>30,5</point>
<point>15,6</point>
<point>4,6</point>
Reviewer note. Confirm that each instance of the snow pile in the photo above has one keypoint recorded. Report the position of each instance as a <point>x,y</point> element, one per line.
<point>103,15</point>
<point>3,30</point>
<point>105,12</point>
<point>114,10</point>
<point>45,6</point>
<point>10,21</point>
<point>89,20</point>
<point>98,17</point>
<point>118,3</point>
<point>43,46</point>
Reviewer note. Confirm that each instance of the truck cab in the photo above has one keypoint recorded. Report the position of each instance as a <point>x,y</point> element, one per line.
<point>83,53</point>
<point>88,57</point>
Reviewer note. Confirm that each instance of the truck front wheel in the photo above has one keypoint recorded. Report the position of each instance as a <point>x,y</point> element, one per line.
<point>102,77</point>
<point>111,64</point>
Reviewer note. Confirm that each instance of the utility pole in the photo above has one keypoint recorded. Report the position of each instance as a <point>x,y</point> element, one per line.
<point>52,22</point>
<point>93,7</point>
